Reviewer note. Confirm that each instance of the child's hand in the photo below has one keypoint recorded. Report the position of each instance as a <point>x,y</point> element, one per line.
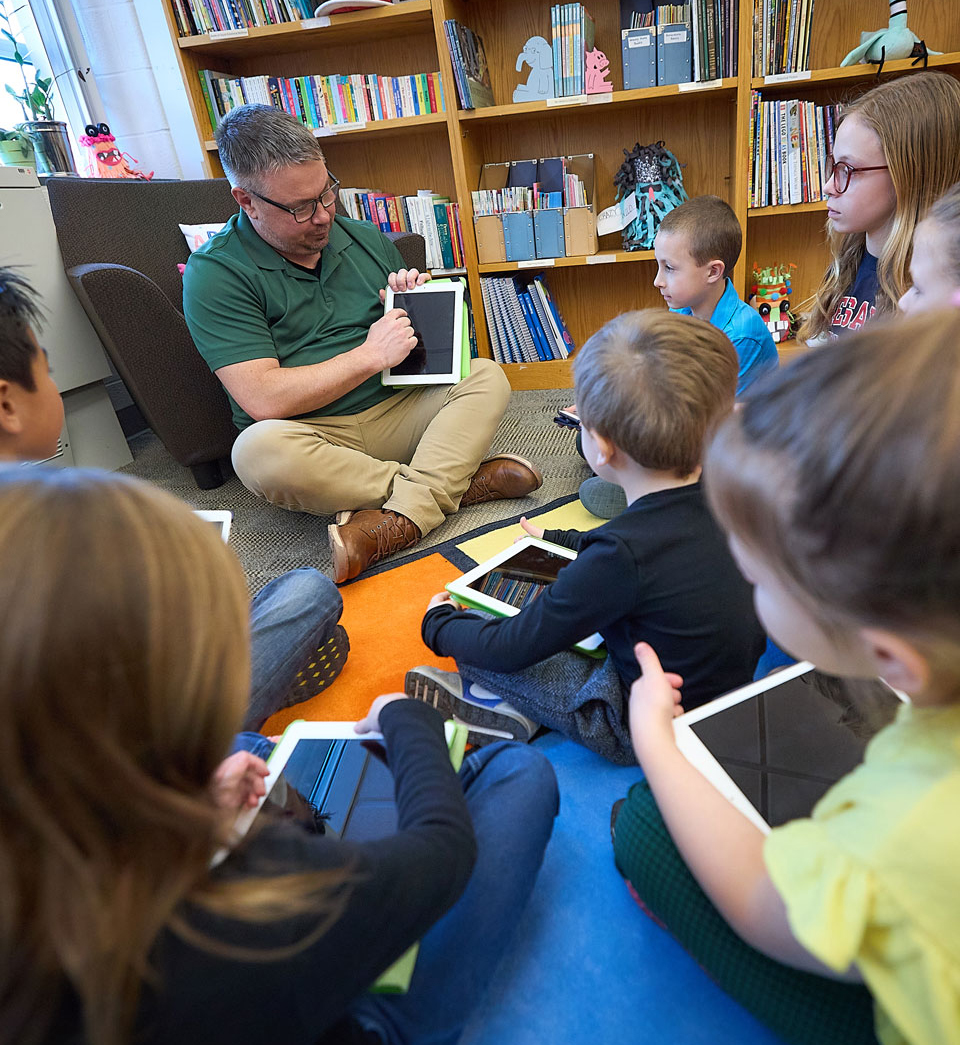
<point>534,531</point>
<point>442,598</point>
<point>654,703</point>
<point>371,722</point>
<point>238,782</point>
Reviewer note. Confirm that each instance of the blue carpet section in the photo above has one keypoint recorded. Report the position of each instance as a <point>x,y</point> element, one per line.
<point>587,965</point>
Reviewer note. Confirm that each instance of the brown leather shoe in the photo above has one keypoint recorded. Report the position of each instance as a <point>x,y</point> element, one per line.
<point>505,475</point>
<point>359,539</point>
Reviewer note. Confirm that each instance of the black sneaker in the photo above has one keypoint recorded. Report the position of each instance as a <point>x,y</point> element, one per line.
<point>488,717</point>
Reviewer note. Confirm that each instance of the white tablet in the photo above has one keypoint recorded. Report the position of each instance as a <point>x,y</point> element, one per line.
<point>515,577</point>
<point>220,518</point>
<point>775,747</point>
<point>436,312</point>
<point>325,772</point>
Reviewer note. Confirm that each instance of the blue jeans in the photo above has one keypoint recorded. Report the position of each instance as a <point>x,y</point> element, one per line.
<point>512,796</point>
<point>289,619</point>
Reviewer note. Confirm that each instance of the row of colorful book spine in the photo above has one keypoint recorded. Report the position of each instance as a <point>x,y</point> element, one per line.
<point>197,17</point>
<point>326,101</point>
<point>523,321</point>
<point>572,34</point>
<point>433,217</point>
<point>791,143</point>
<point>471,73</point>
<point>715,25</point>
<point>781,36</point>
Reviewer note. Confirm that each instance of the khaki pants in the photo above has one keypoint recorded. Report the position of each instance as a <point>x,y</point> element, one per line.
<point>414,453</point>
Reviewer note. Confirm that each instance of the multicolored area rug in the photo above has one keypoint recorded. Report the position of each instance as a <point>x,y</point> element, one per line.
<point>382,611</point>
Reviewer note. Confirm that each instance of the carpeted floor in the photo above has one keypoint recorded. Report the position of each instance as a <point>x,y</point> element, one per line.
<point>269,541</point>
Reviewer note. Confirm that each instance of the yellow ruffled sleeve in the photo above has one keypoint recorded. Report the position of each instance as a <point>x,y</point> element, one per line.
<point>828,895</point>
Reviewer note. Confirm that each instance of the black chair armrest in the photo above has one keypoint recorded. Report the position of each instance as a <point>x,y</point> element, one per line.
<point>412,248</point>
<point>148,342</point>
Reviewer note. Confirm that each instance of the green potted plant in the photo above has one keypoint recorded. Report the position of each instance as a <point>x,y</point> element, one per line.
<point>16,149</point>
<point>49,137</point>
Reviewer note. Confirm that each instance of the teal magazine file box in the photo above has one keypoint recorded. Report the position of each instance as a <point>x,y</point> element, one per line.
<point>548,233</point>
<point>518,239</point>
<point>639,47</point>
<point>674,54</point>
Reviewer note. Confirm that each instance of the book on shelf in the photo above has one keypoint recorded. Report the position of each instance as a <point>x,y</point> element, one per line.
<point>781,36</point>
<point>428,214</point>
<point>471,72</point>
<point>325,101</point>
<point>572,34</point>
<point>523,322</point>
<point>791,142</point>
<point>197,17</point>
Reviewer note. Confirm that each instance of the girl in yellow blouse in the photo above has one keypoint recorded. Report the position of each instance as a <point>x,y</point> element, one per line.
<point>839,487</point>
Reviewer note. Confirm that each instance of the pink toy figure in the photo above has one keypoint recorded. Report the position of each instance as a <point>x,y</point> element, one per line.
<point>106,160</point>
<point>598,68</point>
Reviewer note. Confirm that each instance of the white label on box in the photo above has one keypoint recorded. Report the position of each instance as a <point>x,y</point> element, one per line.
<point>676,37</point>
<point>227,34</point>
<point>617,217</point>
<point>803,74</point>
<point>699,85</point>
<point>601,259</point>
<point>536,263</point>
<point>573,99</point>
<point>639,41</point>
<point>315,23</point>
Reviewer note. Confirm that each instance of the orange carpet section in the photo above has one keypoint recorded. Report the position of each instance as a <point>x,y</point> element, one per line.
<point>382,615</point>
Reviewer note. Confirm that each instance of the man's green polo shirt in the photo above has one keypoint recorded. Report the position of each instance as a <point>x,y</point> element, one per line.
<point>243,301</point>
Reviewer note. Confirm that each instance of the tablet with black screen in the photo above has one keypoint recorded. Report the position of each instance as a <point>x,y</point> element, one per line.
<point>775,747</point>
<point>436,314</point>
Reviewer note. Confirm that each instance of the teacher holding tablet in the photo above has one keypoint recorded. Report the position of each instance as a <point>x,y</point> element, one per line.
<point>285,305</point>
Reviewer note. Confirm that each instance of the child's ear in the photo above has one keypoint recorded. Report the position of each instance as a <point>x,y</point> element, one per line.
<point>605,448</point>
<point>716,270</point>
<point>897,661</point>
<point>11,421</point>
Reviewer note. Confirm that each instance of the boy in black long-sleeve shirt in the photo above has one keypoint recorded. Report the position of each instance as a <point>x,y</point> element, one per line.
<point>650,386</point>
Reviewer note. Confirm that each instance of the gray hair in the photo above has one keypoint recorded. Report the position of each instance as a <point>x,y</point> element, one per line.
<point>255,140</point>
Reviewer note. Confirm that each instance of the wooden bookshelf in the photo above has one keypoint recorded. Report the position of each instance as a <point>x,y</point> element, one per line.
<point>707,128</point>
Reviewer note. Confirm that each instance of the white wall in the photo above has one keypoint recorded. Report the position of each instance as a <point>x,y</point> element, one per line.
<point>139,83</point>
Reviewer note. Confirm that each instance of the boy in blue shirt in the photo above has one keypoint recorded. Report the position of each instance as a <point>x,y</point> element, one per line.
<point>696,245</point>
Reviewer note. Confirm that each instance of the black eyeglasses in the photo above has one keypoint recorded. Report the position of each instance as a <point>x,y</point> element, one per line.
<point>841,172</point>
<point>306,210</point>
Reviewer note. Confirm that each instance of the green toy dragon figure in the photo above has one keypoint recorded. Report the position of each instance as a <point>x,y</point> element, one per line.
<point>896,41</point>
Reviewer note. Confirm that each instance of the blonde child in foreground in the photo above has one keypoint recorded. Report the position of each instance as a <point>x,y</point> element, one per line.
<point>855,556</point>
<point>935,262</point>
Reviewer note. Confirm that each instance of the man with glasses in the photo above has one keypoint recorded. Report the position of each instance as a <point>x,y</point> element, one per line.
<point>286,307</point>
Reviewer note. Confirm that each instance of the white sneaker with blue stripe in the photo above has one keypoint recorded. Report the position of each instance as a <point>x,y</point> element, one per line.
<point>487,717</point>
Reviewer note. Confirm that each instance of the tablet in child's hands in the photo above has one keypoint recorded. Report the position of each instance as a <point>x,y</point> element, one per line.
<point>514,578</point>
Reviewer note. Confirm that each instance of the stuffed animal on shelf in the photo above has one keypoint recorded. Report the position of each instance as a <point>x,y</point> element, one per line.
<point>538,54</point>
<point>769,296</point>
<point>105,159</point>
<point>884,45</point>
<point>597,70</point>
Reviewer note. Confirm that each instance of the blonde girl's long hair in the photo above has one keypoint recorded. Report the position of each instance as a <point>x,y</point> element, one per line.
<point>124,672</point>
<point>917,119</point>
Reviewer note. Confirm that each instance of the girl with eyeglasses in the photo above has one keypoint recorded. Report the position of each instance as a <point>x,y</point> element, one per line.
<point>897,149</point>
